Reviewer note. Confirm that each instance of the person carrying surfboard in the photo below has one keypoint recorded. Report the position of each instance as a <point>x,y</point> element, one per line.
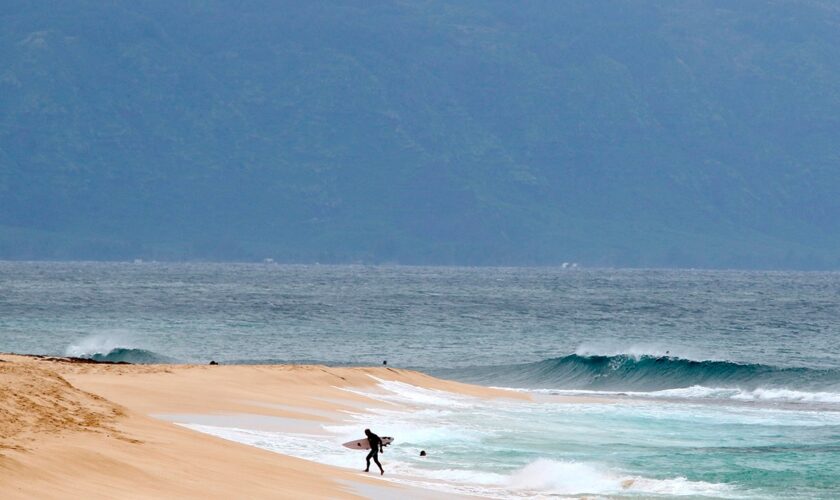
<point>375,448</point>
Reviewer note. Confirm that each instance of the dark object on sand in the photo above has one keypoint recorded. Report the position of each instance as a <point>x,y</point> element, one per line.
<point>75,360</point>
<point>213,362</point>
<point>422,453</point>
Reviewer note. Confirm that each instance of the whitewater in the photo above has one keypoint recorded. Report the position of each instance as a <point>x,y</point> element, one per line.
<point>716,384</point>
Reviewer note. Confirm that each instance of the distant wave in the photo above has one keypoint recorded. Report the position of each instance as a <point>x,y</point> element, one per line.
<point>649,373</point>
<point>129,355</point>
<point>115,347</point>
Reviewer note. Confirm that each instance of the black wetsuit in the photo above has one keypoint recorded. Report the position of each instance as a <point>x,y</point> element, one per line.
<point>375,446</point>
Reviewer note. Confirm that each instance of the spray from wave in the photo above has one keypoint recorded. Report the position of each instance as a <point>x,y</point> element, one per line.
<point>114,347</point>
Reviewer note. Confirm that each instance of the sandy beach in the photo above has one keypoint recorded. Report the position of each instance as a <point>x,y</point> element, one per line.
<point>94,430</point>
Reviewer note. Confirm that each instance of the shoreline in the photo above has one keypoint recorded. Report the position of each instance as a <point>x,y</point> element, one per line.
<point>69,426</point>
<point>275,431</point>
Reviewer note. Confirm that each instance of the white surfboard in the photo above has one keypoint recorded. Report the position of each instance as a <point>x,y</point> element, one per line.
<point>363,444</point>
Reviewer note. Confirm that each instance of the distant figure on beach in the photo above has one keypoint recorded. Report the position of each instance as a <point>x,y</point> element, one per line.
<point>375,449</point>
<point>422,453</point>
<point>385,362</point>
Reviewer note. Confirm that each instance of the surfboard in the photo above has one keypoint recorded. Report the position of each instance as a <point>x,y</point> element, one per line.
<point>363,444</point>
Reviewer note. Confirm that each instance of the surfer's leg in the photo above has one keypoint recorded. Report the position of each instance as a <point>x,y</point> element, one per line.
<point>367,460</point>
<point>376,459</point>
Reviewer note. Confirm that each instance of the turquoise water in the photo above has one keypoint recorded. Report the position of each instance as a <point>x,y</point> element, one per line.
<point>624,447</point>
<point>704,383</point>
<point>720,450</point>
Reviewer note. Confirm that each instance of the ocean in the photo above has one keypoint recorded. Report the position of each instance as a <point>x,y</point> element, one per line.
<point>720,384</point>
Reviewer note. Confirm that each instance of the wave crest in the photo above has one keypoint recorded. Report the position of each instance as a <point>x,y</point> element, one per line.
<point>647,373</point>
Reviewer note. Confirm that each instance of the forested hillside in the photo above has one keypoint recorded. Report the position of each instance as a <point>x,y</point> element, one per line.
<point>625,133</point>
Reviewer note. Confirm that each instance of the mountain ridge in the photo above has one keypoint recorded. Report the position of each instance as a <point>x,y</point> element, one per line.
<point>657,134</point>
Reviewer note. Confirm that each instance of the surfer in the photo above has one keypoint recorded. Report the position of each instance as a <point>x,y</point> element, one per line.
<point>375,448</point>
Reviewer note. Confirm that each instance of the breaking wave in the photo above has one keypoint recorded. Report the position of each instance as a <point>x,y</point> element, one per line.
<point>115,347</point>
<point>649,373</point>
<point>128,355</point>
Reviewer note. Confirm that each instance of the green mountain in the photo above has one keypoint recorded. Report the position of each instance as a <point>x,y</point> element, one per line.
<point>624,132</point>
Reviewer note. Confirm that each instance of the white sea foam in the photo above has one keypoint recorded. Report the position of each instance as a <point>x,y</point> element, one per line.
<point>701,392</point>
<point>400,392</point>
<point>679,486</point>
<point>462,456</point>
<point>560,477</point>
<point>573,478</point>
<point>759,394</point>
<point>541,477</point>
